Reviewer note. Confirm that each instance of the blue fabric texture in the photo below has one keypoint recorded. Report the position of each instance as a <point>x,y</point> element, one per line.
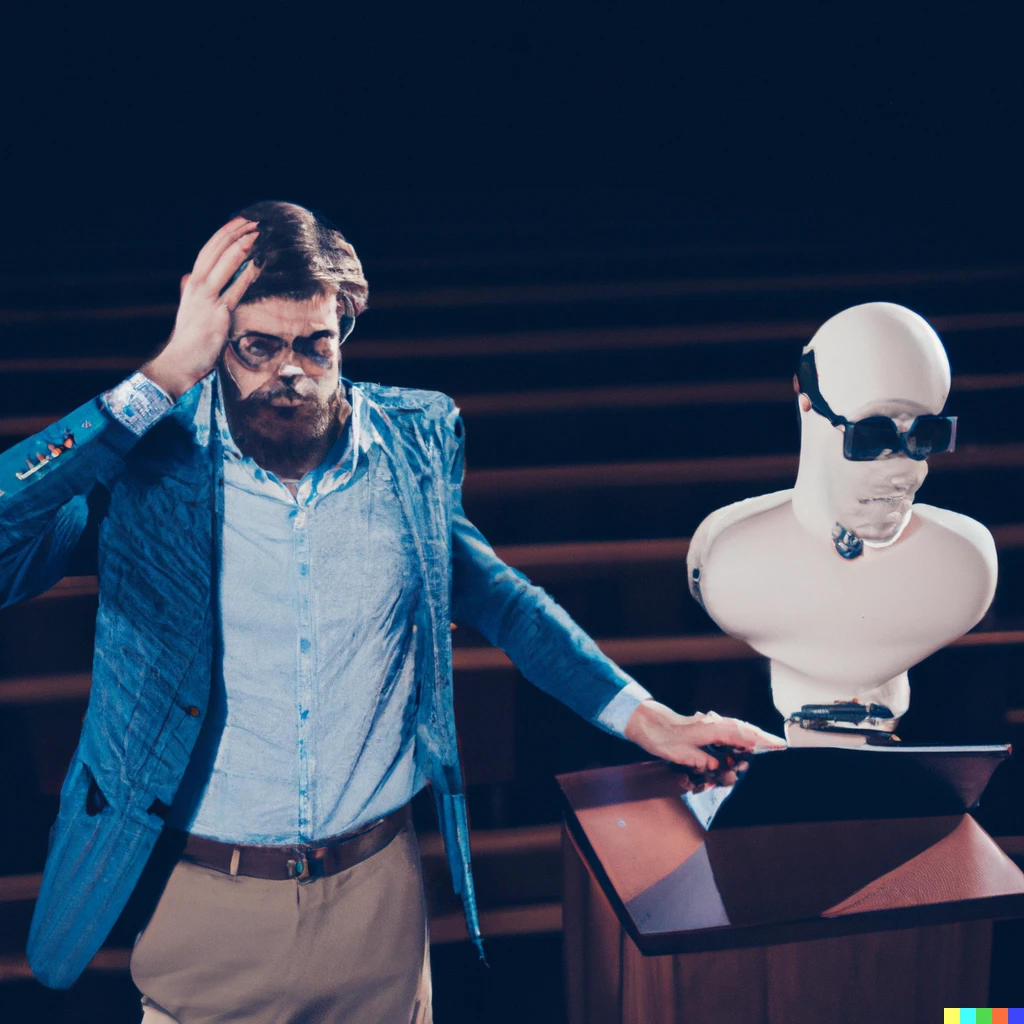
<point>158,642</point>
<point>311,728</point>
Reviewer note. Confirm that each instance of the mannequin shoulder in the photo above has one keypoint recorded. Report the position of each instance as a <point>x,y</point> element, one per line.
<point>728,522</point>
<point>957,530</point>
<point>732,518</point>
<point>966,551</point>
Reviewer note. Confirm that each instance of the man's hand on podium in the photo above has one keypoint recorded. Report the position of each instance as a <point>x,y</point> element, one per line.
<point>683,739</point>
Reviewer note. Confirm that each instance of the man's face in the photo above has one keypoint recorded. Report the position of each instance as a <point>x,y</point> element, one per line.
<point>284,357</point>
<point>874,499</point>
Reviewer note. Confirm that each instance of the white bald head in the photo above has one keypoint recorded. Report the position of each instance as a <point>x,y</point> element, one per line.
<point>879,352</point>
<point>877,359</point>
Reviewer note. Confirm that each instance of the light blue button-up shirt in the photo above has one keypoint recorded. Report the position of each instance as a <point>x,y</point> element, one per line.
<point>311,727</point>
<point>310,731</point>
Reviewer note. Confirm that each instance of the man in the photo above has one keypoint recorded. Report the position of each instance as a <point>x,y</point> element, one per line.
<point>279,559</point>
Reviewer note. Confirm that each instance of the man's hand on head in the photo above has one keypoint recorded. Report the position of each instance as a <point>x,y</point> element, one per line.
<point>209,295</point>
<point>681,739</point>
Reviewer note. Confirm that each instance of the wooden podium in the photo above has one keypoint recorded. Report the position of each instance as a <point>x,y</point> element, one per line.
<point>803,921</point>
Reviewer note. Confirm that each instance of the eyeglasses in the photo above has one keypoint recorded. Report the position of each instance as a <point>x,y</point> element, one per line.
<point>876,436</point>
<point>258,351</point>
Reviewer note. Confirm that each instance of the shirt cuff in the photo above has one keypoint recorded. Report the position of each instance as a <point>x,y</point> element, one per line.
<point>617,711</point>
<point>137,403</point>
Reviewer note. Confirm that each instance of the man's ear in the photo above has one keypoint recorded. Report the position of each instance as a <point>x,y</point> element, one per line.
<point>181,287</point>
<point>346,317</point>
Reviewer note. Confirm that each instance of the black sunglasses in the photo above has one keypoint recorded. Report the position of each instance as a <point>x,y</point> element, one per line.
<point>875,436</point>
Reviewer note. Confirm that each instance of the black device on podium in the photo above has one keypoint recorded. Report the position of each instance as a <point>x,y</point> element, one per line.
<point>804,784</point>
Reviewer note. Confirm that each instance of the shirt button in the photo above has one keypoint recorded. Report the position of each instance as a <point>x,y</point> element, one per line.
<point>193,711</point>
<point>300,519</point>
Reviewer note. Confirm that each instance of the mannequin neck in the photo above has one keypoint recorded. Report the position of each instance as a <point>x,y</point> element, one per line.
<point>812,510</point>
<point>810,506</point>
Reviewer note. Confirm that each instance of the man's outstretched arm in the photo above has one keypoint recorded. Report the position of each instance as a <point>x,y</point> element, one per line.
<point>554,654</point>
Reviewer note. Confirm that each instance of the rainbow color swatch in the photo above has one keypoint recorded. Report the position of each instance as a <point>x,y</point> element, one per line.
<point>983,1015</point>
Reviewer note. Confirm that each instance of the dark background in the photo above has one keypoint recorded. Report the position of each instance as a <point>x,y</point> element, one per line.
<point>901,124</point>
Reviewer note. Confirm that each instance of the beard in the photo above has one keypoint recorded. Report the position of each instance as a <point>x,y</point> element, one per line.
<point>284,437</point>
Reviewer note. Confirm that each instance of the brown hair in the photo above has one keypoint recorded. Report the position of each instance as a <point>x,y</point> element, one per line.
<point>301,255</point>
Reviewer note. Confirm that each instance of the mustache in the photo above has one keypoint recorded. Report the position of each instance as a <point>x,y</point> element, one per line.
<point>305,389</point>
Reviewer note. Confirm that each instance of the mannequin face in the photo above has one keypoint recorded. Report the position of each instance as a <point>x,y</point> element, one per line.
<point>877,359</point>
<point>873,499</point>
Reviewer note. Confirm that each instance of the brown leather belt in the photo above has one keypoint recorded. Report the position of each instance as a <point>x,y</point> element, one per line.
<point>303,861</point>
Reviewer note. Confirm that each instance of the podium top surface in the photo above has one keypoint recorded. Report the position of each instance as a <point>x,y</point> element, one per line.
<point>678,887</point>
<point>849,784</point>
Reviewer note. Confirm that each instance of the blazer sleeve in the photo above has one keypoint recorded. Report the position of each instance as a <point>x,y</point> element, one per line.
<point>537,634</point>
<point>45,482</point>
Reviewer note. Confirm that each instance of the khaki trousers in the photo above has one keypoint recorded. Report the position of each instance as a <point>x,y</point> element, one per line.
<point>352,947</point>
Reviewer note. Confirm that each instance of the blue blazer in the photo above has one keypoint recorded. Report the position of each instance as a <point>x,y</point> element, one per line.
<point>158,564</point>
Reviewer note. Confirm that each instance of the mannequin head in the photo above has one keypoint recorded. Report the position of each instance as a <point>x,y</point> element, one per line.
<point>876,359</point>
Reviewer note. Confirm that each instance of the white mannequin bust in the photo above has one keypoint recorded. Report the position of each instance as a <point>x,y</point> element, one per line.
<point>844,617</point>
